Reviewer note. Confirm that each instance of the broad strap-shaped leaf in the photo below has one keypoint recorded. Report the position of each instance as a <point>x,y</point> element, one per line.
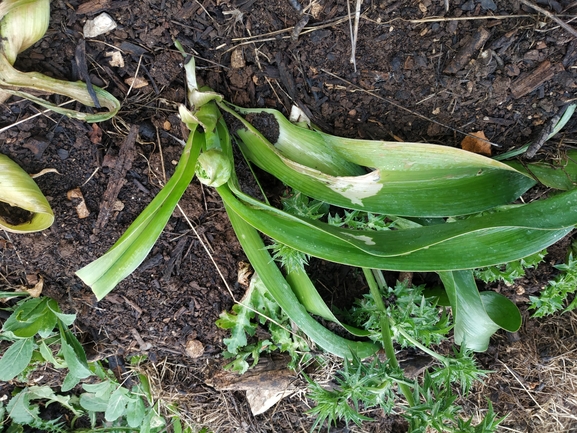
<point>560,174</point>
<point>280,290</point>
<point>131,249</point>
<point>309,297</point>
<point>477,316</point>
<point>482,241</point>
<point>409,179</point>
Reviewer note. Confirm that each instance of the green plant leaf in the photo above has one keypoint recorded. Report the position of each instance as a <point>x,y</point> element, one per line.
<point>47,393</point>
<point>130,250</point>
<point>481,241</point>
<point>101,389</point>
<point>477,316</point>
<point>501,310</point>
<point>49,356</point>
<point>16,359</point>
<point>31,317</point>
<point>310,298</point>
<point>279,289</point>
<point>442,181</point>
<point>559,174</point>
<point>135,412</point>
<point>20,410</point>
<point>239,322</point>
<point>73,353</point>
<point>69,382</point>
<point>91,402</point>
<point>77,367</point>
<point>117,404</point>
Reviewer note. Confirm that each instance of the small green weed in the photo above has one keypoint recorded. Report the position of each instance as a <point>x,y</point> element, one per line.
<point>553,298</point>
<point>40,334</point>
<point>509,272</point>
<point>259,309</point>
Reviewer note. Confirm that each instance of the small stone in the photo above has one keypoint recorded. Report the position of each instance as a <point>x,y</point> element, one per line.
<point>194,348</point>
<point>237,59</point>
<point>488,5</point>
<point>63,154</point>
<point>100,25</point>
<point>468,6</point>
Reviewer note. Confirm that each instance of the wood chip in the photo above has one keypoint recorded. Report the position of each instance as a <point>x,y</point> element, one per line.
<point>472,45</point>
<point>265,385</point>
<point>237,59</point>
<point>116,181</point>
<point>75,196</point>
<point>530,81</point>
<point>136,82</point>
<point>94,6</point>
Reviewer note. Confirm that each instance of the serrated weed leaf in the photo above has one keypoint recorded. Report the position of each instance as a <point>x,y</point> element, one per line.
<point>20,410</point>
<point>511,271</point>
<point>47,393</point>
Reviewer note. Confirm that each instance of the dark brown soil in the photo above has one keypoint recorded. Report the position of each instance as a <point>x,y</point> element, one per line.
<point>414,81</point>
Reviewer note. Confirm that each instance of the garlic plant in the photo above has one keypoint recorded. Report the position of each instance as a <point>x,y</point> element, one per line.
<point>23,207</point>
<point>22,24</point>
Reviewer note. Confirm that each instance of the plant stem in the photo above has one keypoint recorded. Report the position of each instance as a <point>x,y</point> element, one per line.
<point>425,349</point>
<point>387,339</point>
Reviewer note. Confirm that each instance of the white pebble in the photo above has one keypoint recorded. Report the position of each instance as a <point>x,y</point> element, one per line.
<point>103,23</point>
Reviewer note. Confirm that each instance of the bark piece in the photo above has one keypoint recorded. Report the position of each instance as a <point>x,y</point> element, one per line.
<point>528,82</point>
<point>117,179</point>
<point>472,45</point>
<point>92,7</point>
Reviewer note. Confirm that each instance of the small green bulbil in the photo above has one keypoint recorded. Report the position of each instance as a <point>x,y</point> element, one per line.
<point>213,168</point>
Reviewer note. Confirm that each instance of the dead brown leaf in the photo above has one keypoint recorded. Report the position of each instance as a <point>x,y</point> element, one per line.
<point>75,195</point>
<point>96,134</point>
<point>477,142</point>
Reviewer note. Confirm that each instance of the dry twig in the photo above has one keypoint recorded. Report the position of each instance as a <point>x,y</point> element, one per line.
<point>550,16</point>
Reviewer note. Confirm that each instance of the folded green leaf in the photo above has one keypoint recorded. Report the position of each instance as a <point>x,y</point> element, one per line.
<point>24,22</point>
<point>477,316</point>
<point>23,207</point>
<point>474,242</point>
<point>31,317</point>
<point>409,179</point>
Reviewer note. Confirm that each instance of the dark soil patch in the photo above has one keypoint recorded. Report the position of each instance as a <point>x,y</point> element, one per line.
<point>406,86</point>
